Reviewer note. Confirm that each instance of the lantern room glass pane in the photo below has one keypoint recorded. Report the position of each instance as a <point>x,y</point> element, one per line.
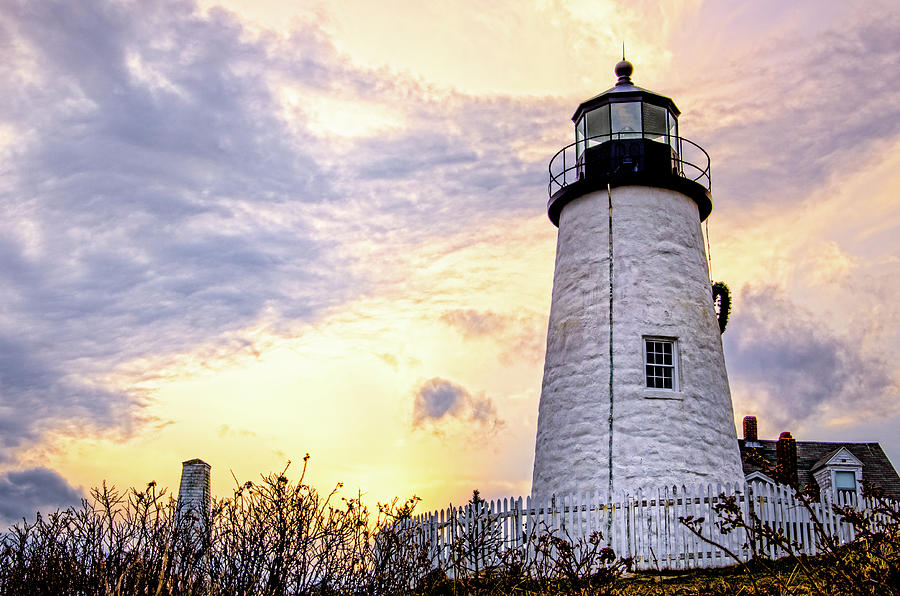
<point>597,126</point>
<point>655,126</point>
<point>673,132</point>
<point>626,120</point>
<point>579,138</point>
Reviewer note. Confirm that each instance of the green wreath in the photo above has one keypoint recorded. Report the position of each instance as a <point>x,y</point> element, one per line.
<point>722,299</point>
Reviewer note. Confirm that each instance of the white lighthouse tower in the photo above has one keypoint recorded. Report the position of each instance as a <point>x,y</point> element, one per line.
<point>635,393</point>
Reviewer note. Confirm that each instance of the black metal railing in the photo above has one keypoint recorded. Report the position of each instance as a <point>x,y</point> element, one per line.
<point>689,160</point>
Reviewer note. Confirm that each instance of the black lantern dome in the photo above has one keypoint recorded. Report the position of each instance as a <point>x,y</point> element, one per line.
<point>628,136</point>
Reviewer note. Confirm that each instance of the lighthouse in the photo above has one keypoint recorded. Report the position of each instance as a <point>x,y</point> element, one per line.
<point>635,392</point>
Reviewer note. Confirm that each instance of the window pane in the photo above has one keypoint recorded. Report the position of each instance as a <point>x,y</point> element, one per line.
<point>673,131</point>
<point>598,125</point>
<point>659,363</point>
<point>845,480</point>
<point>626,120</point>
<point>579,138</point>
<point>655,122</point>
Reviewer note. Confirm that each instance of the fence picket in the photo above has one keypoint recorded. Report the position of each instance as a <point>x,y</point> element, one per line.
<point>690,539</point>
<point>739,544</point>
<point>720,557</point>
<point>692,492</point>
<point>615,513</point>
<point>819,510</point>
<point>622,519</point>
<point>640,528</point>
<point>529,525</point>
<point>772,517</point>
<point>793,529</point>
<point>687,503</point>
<point>844,530</point>
<point>677,536</point>
<point>782,506</point>
<point>667,525</point>
<point>709,553</point>
<point>586,514</point>
<point>504,520</point>
<point>549,506</point>
<point>831,525</point>
<point>809,534</point>
<point>698,511</point>
<point>659,514</point>
<point>599,524</point>
<point>684,540</point>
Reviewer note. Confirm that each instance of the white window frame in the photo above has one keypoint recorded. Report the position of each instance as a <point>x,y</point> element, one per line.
<point>672,341</point>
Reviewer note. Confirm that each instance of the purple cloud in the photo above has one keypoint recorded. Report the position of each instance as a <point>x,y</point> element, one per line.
<point>25,492</point>
<point>438,400</point>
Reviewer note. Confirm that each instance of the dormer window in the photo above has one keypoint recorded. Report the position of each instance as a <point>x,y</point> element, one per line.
<point>838,474</point>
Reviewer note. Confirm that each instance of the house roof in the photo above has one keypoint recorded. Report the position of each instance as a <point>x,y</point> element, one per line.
<point>876,468</point>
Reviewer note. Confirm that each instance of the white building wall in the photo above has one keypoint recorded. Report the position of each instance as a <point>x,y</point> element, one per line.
<point>660,288</point>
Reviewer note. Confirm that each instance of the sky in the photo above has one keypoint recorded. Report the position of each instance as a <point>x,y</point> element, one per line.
<point>247,231</point>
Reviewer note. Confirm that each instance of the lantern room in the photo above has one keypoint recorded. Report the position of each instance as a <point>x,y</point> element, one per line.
<point>626,112</point>
<point>628,136</point>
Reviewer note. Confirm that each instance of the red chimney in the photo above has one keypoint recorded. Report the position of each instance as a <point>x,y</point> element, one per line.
<point>750,429</point>
<point>786,458</point>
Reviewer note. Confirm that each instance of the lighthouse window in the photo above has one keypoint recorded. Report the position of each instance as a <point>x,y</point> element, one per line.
<point>660,357</point>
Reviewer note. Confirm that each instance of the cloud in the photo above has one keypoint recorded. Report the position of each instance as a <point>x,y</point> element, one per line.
<point>229,431</point>
<point>793,370</point>
<point>780,123</point>
<point>473,323</point>
<point>162,194</point>
<point>35,393</point>
<point>153,201</point>
<point>438,400</point>
<point>23,493</point>
<point>519,337</point>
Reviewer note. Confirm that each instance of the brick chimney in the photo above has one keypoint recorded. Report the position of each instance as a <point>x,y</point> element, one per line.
<point>750,433</point>
<point>786,457</point>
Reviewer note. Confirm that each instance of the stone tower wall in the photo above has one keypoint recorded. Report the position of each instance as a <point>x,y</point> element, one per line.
<point>660,288</point>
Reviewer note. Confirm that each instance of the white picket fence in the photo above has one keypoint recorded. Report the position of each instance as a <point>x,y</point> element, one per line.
<point>644,526</point>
